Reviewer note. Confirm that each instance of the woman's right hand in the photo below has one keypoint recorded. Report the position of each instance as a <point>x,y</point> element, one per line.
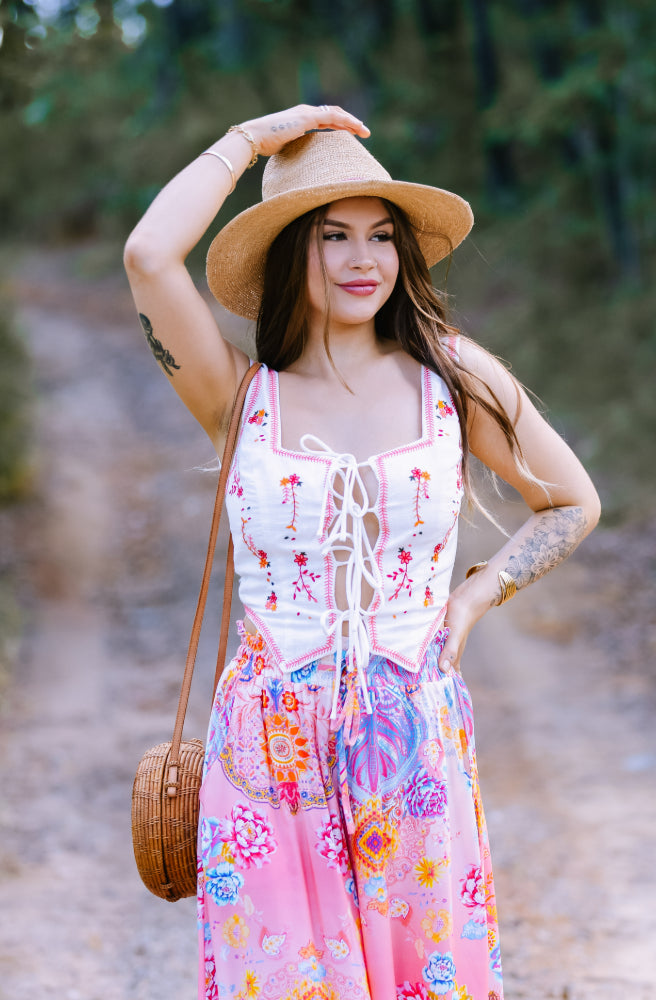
<point>272,132</point>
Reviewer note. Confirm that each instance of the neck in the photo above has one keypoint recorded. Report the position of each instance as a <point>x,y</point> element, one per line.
<point>350,348</point>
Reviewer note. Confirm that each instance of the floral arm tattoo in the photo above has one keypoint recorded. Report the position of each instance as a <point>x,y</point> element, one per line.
<point>554,537</point>
<point>164,357</point>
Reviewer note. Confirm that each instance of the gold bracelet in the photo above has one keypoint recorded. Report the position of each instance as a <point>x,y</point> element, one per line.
<point>226,162</point>
<point>247,135</point>
<point>508,587</point>
<point>506,581</point>
<point>476,568</point>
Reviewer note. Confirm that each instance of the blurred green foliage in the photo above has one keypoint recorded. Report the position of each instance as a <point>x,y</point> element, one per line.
<point>14,409</point>
<point>541,112</point>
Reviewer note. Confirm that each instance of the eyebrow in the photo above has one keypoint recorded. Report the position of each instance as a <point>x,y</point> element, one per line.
<point>345,225</point>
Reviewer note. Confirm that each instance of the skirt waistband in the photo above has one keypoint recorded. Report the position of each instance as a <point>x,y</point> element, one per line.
<point>320,672</point>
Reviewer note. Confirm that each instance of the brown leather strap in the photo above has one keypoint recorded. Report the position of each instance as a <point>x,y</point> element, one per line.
<point>225,617</point>
<point>226,462</point>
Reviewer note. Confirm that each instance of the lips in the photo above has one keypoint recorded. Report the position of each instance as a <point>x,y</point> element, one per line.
<point>360,287</point>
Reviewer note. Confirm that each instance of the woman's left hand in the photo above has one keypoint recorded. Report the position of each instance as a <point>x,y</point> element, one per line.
<point>460,618</point>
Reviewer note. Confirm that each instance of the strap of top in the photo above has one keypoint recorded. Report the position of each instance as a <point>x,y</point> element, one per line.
<point>228,452</point>
<point>453,344</point>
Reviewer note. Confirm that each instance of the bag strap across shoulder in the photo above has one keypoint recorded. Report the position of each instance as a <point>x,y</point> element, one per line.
<point>171,783</point>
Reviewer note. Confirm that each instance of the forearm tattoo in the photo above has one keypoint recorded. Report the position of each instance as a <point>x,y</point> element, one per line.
<point>554,537</point>
<point>162,356</point>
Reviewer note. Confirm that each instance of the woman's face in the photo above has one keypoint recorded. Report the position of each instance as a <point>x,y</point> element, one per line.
<point>362,265</point>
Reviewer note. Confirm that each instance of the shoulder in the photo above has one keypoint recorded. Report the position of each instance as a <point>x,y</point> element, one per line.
<point>478,361</point>
<point>489,378</point>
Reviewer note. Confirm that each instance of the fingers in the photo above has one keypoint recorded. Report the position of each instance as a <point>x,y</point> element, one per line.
<point>332,116</point>
<point>272,132</point>
<point>449,660</point>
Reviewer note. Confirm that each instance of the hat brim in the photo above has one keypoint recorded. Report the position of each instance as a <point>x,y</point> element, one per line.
<point>237,255</point>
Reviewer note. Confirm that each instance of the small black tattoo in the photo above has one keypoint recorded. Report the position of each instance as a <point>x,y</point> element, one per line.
<point>164,357</point>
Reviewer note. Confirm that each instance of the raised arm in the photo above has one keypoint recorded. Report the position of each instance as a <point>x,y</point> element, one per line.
<point>565,510</point>
<point>202,367</point>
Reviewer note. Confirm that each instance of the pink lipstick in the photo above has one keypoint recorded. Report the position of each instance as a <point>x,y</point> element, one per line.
<point>360,287</point>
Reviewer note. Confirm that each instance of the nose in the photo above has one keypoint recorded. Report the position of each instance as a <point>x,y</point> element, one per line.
<point>363,259</point>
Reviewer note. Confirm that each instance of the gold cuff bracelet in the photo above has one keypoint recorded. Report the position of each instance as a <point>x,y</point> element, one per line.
<point>506,582</point>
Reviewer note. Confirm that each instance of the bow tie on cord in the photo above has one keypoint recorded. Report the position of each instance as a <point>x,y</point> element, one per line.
<point>347,532</point>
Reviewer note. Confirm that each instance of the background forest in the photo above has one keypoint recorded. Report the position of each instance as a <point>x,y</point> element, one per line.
<point>540,112</point>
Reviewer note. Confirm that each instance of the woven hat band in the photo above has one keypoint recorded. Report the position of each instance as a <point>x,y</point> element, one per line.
<point>317,159</point>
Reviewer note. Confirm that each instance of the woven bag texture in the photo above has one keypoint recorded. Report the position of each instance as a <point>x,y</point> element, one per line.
<point>164,829</point>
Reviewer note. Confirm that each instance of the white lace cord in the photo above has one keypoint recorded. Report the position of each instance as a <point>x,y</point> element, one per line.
<point>360,565</point>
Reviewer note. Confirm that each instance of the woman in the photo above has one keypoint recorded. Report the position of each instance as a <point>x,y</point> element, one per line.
<point>342,845</point>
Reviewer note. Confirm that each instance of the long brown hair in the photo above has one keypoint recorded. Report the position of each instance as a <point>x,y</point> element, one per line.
<point>414,316</point>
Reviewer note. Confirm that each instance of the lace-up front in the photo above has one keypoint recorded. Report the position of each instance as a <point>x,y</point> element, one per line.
<point>313,579</point>
<point>347,534</point>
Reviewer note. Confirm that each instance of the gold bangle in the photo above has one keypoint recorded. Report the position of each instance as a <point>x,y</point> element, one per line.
<point>506,581</point>
<point>476,568</point>
<point>508,587</point>
<point>248,136</point>
<point>226,162</point>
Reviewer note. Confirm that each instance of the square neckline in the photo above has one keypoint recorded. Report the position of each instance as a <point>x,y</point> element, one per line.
<point>424,439</point>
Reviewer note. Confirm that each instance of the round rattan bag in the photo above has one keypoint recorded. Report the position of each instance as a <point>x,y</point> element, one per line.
<point>164,828</point>
<point>165,803</point>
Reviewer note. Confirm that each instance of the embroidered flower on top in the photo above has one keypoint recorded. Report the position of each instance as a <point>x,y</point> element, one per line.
<point>421,478</point>
<point>290,484</point>
<point>259,554</point>
<point>442,409</point>
<point>235,485</point>
<point>260,418</point>
<point>404,580</point>
<point>301,584</point>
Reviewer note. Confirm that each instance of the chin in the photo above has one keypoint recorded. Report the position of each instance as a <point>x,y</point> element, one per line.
<point>360,312</point>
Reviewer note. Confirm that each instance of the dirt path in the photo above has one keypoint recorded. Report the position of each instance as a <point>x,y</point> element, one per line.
<point>110,554</point>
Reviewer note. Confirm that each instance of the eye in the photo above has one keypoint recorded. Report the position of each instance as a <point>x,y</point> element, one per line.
<point>383,237</point>
<point>338,235</point>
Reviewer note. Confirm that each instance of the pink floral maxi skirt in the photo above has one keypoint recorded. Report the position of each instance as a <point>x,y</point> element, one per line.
<point>343,862</point>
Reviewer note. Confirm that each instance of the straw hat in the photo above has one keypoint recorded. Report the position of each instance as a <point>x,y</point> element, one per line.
<point>315,170</point>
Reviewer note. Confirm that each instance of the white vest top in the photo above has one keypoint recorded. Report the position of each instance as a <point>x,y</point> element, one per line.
<point>295,515</point>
